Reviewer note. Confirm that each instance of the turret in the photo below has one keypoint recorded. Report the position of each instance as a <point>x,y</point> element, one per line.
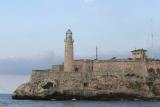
<point>139,54</point>
<point>68,57</point>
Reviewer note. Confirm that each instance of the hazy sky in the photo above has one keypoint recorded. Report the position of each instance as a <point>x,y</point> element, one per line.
<point>33,31</point>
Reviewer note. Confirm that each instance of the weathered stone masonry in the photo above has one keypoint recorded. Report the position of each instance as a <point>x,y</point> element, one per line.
<point>134,77</point>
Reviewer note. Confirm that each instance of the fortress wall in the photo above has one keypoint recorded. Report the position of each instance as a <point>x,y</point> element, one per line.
<point>153,64</point>
<point>88,81</point>
<point>79,64</point>
<point>38,75</point>
<point>59,67</point>
<point>68,79</point>
<point>88,66</point>
<point>83,65</point>
<point>120,67</point>
<point>100,68</point>
<point>80,80</point>
<point>112,79</point>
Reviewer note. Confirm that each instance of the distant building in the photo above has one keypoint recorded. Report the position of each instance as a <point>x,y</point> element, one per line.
<point>139,54</point>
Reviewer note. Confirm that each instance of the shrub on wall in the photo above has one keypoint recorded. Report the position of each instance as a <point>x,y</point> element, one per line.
<point>135,85</point>
<point>152,77</point>
<point>48,85</point>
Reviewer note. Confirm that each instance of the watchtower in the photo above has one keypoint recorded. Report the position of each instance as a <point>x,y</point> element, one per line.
<point>139,54</point>
<point>68,57</point>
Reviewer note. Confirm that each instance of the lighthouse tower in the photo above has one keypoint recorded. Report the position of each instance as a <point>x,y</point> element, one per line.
<point>68,57</point>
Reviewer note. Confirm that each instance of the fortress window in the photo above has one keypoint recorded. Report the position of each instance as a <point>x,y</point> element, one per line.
<point>85,84</point>
<point>90,68</point>
<point>76,69</point>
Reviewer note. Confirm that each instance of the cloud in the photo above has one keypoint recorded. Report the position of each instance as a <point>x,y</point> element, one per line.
<point>17,70</point>
<point>23,66</point>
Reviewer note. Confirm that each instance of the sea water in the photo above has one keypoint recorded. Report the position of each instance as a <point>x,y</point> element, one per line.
<point>6,101</point>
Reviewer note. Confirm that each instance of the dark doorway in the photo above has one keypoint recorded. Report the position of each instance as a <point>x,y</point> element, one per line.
<point>76,69</point>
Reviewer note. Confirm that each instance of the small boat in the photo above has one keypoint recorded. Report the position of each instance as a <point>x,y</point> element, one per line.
<point>74,99</point>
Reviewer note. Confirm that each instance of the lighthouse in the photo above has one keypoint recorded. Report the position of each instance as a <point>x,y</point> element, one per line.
<point>68,54</point>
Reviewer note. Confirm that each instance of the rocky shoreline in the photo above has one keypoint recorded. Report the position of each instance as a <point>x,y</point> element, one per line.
<point>102,97</point>
<point>89,86</point>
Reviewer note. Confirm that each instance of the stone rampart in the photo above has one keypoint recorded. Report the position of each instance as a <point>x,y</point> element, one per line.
<point>115,77</point>
<point>39,75</point>
<point>99,68</point>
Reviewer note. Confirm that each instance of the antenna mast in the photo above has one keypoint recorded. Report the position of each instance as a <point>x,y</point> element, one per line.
<point>152,45</point>
<point>152,40</point>
<point>96,53</point>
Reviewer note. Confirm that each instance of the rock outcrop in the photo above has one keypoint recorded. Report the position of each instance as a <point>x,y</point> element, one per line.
<point>35,90</point>
<point>90,86</point>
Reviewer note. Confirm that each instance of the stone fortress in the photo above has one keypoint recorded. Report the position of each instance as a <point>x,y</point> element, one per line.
<point>86,65</point>
<point>136,77</point>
